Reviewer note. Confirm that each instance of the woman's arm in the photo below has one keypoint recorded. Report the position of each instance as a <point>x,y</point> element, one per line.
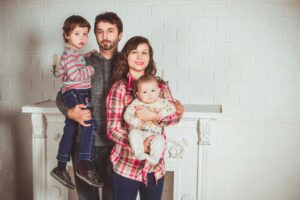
<point>174,118</point>
<point>179,108</point>
<point>130,117</point>
<point>115,109</point>
<point>146,115</point>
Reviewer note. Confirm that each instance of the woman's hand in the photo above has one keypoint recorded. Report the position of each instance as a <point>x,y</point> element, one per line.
<point>80,114</point>
<point>147,144</point>
<point>144,114</point>
<point>179,108</point>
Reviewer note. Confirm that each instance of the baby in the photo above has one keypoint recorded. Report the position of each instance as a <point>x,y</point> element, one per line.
<point>148,93</point>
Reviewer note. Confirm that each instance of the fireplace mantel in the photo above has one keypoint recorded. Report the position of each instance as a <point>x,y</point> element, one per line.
<point>188,154</point>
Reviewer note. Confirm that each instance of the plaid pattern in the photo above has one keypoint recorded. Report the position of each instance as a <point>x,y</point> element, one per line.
<point>124,162</point>
<point>75,74</point>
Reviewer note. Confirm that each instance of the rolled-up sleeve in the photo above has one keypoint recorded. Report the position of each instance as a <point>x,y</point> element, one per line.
<point>171,119</point>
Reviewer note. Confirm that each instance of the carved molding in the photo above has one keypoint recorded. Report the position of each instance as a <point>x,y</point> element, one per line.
<point>205,129</point>
<point>38,125</point>
<point>57,137</point>
<point>187,197</point>
<point>54,192</point>
<point>39,165</point>
<point>176,148</point>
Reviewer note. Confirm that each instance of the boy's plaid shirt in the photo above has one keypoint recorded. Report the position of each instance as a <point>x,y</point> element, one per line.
<point>124,162</point>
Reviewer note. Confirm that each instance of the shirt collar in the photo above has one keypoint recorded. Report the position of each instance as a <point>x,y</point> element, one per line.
<point>67,46</point>
<point>130,82</point>
<point>99,55</point>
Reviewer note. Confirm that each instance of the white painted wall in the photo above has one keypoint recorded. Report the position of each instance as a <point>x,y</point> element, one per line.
<point>242,54</point>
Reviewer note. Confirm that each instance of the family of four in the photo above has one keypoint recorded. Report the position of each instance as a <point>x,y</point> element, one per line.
<point>118,107</point>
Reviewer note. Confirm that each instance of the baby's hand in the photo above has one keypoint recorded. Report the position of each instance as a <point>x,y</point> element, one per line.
<point>139,126</point>
<point>144,114</point>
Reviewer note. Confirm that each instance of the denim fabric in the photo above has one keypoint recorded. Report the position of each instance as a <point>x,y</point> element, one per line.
<point>127,189</point>
<point>104,169</point>
<point>87,134</point>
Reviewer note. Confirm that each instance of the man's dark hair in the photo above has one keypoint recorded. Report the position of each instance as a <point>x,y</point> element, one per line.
<point>111,18</point>
<point>72,22</point>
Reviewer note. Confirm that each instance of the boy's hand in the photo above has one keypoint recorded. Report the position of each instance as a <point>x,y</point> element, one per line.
<point>80,114</point>
<point>89,53</point>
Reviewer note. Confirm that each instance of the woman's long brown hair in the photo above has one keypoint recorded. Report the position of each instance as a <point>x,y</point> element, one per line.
<point>121,69</point>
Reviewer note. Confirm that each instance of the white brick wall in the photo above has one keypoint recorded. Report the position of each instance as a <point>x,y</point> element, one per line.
<point>244,55</point>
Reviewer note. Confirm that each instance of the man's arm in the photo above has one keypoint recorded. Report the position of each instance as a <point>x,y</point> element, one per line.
<point>77,113</point>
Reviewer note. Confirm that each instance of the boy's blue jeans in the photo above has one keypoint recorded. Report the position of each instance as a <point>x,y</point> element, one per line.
<point>87,134</point>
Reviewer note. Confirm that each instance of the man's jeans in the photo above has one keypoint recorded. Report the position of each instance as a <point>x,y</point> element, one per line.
<point>104,169</point>
<point>87,134</point>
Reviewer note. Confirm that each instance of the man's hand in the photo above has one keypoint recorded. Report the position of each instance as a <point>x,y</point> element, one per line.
<point>179,108</point>
<point>80,114</point>
<point>144,114</point>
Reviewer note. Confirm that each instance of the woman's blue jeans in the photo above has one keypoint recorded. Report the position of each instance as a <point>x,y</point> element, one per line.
<point>127,189</point>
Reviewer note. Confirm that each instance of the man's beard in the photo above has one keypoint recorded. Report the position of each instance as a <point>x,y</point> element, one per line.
<point>107,44</point>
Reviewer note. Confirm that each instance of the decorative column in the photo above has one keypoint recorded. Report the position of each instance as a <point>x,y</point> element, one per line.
<point>206,128</point>
<point>39,156</point>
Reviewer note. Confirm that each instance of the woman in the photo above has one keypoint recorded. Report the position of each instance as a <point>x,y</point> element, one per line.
<point>129,174</point>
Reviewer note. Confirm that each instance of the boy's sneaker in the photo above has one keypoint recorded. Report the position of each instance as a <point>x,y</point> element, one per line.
<point>90,177</point>
<point>63,177</point>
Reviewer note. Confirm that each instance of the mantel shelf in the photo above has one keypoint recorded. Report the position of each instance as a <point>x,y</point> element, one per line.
<point>191,110</point>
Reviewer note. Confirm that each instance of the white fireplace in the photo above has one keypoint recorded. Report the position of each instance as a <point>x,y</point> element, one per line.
<point>189,154</point>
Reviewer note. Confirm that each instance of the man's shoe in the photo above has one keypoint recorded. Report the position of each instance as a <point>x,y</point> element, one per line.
<point>90,177</point>
<point>63,177</point>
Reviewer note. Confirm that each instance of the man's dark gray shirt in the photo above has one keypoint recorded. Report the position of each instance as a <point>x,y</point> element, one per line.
<point>101,83</point>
